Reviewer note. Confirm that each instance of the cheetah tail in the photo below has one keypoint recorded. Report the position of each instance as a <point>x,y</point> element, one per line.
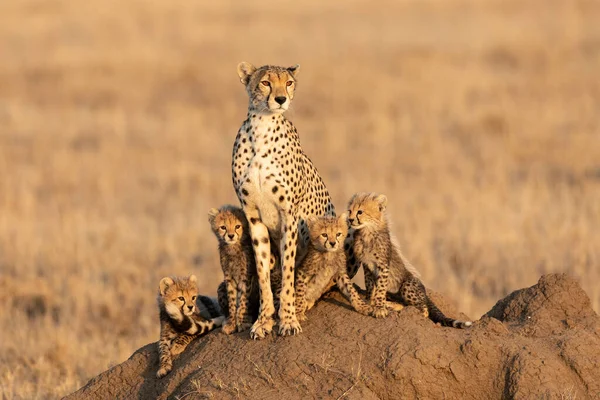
<point>211,305</point>
<point>437,315</point>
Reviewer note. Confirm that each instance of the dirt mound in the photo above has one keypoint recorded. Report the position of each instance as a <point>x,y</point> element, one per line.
<point>539,342</point>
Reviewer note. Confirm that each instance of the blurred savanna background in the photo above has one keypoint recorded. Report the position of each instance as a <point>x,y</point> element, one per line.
<point>480,120</point>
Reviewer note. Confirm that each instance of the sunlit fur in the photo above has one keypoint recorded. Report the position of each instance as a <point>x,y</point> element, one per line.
<point>325,265</point>
<point>228,224</point>
<point>327,233</point>
<point>278,187</point>
<point>388,275</point>
<point>267,83</point>
<point>180,321</point>
<point>239,296</point>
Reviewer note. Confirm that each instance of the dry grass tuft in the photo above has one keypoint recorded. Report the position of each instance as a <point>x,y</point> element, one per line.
<point>479,120</point>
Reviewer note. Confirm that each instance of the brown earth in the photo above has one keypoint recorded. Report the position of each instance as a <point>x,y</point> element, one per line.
<point>542,342</point>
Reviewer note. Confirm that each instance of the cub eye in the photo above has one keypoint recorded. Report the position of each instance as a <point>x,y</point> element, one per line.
<point>324,235</point>
<point>193,298</point>
<point>289,83</point>
<point>238,226</point>
<point>359,212</point>
<point>222,227</point>
<point>181,298</point>
<point>339,234</point>
<point>265,83</point>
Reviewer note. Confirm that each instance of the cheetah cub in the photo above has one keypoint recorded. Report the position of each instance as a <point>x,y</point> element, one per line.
<point>230,226</point>
<point>180,321</point>
<point>325,265</point>
<point>387,272</point>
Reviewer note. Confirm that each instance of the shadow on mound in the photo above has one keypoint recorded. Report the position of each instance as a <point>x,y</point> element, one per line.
<point>539,342</point>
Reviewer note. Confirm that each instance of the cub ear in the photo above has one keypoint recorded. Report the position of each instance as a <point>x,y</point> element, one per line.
<point>193,279</point>
<point>164,285</point>
<point>382,200</point>
<point>212,213</point>
<point>294,70</point>
<point>310,220</point>
<point>245,70</point>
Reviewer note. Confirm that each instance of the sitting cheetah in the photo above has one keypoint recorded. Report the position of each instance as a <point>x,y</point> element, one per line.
<point>180,321</point>
<point>277,185</point>
<point>325,265</point>
<point>387,272</point>
<point>237,261</point>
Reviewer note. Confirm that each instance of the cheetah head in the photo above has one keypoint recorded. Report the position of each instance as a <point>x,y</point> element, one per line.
<point>367,209</point>
<point>178,295</point>
<point>270,88</point>
<point>228,224</point>
<point>327,233</point>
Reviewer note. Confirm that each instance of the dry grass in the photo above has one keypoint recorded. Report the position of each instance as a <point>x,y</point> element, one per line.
<point>479,119</point>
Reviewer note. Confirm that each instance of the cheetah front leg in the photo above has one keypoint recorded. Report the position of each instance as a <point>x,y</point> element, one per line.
<point>345,285</point>
<point>230,325</point>
<point>300,302</point>
<point>288,323</point>
<point>262,253</point>
<point>369,282</point>
<point>165,359</point>
<point>243,317</point>
<point>378,300</point>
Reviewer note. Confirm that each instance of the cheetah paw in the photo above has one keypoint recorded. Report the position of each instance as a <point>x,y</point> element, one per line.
<point>229,327</point>
<point>301,317</point>
<point>261,328</point>
<point>380,312</point>
<point>366,310</point>
<point>290,328</point>
<point>163,371</point>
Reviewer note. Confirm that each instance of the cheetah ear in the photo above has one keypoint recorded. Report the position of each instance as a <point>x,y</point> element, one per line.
<point>382,199</point>
<point>164,285</point>
<point>245,70</point>
<point>294,70</point>
<point>193,279</point>
<point>212,213</point>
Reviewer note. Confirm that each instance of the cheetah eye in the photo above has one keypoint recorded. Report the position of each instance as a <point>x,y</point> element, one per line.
<point>222,227</point>
<point>289,83</point>
<point>181,298</point>
<point>339,234</point>
<point>324,235</point>
<point>238,226</point>
<point>193,298</point>
<point>359,212</point>
<point>266,83</point>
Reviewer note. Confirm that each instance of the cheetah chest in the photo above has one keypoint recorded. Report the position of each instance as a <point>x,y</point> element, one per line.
<point>262,177</point>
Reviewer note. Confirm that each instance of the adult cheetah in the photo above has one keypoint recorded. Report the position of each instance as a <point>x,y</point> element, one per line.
<point>277,185</point>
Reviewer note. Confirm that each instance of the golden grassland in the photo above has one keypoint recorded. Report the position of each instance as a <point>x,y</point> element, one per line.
<point>479,119</point>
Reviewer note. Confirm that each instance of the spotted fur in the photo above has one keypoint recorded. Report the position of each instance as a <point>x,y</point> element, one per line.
<point>180,321</point>
<point>277,185</point>
<point>239,268</point>
<point>388,275</point>
<point>325,265</point>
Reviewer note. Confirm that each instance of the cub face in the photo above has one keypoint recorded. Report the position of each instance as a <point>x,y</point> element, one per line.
<point>179,295</point>
<point>270,88</point>
<point>228,224</point>
<point>366,209</point>
<point>327,233</point>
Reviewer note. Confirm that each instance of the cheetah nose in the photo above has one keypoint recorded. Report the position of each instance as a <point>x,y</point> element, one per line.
<point>350,220</point>
<point>231,236</point>
<point>190,307</point>
<point>332,244</point>
<point>280,99</point>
